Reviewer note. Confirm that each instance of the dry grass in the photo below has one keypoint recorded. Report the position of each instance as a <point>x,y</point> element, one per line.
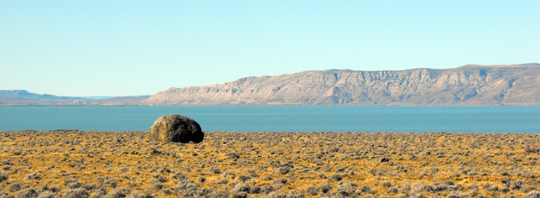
<point>271,164</point>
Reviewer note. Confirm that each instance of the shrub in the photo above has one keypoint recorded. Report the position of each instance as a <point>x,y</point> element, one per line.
<point>201,179</point>
<point>241,188</point>
<point>119,192</point>
<point>387,184</point>
<point>429,188</point>
<point>46,195</point>
<point>533,194</point>
<point>89,186</point>
<point>255,190</point>
<point>295,194</point>
<point>232,175</point>
<point>223,181</point>
<point>392,190</point>
<point>112,182</point>
<point>472,173</point>
<point>312,190</point>
<point>531,150</point>
<point>336,177</point>
<point>244,178</point>
<point>140,195</point>
<point>74,185</point>
<point>205,192</point>
<point>156,184</point>
<point>240,195</point>
<point>100,190</point>
<point>179,176</point>
<point>441,187</point>
<point>517,184</point>
<point>167,191</point>
<point>3,176</point>
<point>420,196</point>
<point>215,169</point>
<point>14,187</point>
<point>345,189</point>
<point>162,179</point>
<point>281,181</point>
<point>268,188</point>
<point>54,189</point>
<point>233,155</point>
<point>325,188</point>
<point>365,189</point>
<point>5,195</point>
<point>32,176</point>
<point>27,193</point>
<point>493,188</point>
<point>284,170</point>
<point>76,193</point>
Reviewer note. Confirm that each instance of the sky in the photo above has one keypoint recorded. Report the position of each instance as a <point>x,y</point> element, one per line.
<point>123,48</point>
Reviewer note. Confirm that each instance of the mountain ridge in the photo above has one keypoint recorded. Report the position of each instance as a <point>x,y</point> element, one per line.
<point>23,94</point>
<point>465,85</point>
<point>474,85</point>
<point>25,98</point>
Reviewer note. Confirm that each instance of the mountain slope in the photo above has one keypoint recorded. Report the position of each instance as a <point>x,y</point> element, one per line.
<point>466,85</point>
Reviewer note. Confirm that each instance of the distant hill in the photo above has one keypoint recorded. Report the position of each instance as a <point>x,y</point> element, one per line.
<point>25,98</point>
<point>23,94</point>
<point>466,85</point>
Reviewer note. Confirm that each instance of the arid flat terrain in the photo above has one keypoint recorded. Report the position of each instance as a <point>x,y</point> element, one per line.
<point>269,164</point>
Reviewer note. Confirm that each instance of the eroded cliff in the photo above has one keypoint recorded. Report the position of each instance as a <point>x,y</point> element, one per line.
<point>466,85</point>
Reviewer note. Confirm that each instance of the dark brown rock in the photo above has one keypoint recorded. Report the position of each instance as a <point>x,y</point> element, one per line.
<point>176,128</point>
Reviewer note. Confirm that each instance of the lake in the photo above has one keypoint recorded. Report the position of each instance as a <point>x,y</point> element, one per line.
<point>514,119</point>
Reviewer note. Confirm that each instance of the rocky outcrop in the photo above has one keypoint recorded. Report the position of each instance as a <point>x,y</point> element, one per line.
<point>176,128</point>
<point>466,85</point>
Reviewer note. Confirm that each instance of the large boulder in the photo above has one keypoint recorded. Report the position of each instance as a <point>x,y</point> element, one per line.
<point>176,128</point>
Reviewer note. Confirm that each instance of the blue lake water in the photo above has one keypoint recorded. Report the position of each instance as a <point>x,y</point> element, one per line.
<point>515,119</point>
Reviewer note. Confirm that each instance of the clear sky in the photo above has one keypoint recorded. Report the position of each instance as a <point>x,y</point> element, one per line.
<point>116,48</point>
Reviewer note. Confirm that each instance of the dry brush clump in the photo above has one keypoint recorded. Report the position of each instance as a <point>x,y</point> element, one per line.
<point>70,163</point>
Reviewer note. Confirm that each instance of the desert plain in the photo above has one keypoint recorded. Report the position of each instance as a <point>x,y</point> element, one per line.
<point>72,163</point>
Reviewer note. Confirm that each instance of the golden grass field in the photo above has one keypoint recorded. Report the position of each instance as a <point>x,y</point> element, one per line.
<point>269,164</point>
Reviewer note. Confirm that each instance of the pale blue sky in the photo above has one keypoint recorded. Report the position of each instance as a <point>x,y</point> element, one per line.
<point>115,48</point>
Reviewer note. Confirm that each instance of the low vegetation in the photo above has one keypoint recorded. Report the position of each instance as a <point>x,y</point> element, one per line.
<point>269,164</point>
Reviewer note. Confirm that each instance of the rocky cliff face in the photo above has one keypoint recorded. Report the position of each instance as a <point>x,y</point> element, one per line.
<point>467,85</point>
